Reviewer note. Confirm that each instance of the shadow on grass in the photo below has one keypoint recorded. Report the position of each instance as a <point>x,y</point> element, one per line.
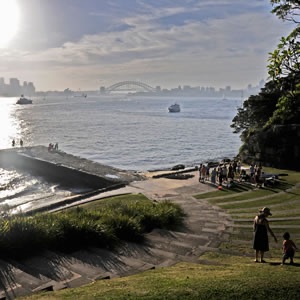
<point>236,187</point>
<point>286,264</point>
<point>278,187</point>
<point>284,185</point>
<point>239,188</point>
<point>275,187</point>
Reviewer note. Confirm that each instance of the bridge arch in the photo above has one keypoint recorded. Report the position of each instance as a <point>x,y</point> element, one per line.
<point>115,86</point>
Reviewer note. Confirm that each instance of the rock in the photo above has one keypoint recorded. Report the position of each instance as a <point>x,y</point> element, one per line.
<point>178,167</point>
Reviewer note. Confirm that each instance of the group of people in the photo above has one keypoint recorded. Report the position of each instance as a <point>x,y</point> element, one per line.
<point>13,143</point>
<point>261,242</point>
<point>230,171</point>
<point>219,174</point>
<point>53,147</point>
<point>254,176</point>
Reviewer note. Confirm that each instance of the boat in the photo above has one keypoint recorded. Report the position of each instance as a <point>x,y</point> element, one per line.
<point>23,100</point>
<point>224,98</point>
<point>174,108</point>
<point>80,94</point>
<point>83,95</point>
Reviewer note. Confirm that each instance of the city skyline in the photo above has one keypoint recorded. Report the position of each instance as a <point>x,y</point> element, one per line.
<point>14,88</point>
<point>91,44</point>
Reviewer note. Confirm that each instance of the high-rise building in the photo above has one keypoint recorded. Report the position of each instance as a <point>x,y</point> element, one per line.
<point>2,85</point>
<point>14,87</point>
<point>30,89</point>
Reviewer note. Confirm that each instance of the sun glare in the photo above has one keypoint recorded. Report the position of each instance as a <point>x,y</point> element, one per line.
<point>9,21</point>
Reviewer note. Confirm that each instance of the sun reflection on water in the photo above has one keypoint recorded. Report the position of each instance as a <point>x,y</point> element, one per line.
<point>10,127</point>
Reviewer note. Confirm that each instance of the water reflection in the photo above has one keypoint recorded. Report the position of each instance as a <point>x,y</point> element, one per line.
<point>10,126</point>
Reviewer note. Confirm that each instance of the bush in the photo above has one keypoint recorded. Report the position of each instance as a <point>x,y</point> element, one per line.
<point>110,223</point>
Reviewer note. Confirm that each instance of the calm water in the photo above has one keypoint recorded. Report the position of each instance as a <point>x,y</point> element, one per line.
<point>134,133</point>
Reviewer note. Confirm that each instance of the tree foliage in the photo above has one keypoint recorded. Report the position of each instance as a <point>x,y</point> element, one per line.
<point>284,61</point>
<point>287,10</point>
<point>256,110</point>
<point>278,103</point>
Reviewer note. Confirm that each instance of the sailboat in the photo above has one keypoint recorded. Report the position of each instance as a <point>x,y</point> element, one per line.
<point>224,98</point>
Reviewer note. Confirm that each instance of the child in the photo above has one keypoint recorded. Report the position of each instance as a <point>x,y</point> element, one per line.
<point>289,249</point>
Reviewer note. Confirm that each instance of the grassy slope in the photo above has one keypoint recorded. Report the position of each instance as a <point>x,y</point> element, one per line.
<point>228,274</point>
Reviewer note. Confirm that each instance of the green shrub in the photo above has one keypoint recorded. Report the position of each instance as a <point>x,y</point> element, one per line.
<point>103,226</point>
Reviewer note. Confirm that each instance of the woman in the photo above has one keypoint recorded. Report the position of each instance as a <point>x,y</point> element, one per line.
<point>261,228</point>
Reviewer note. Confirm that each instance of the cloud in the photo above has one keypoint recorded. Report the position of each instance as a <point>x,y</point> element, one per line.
<point>187,40</point>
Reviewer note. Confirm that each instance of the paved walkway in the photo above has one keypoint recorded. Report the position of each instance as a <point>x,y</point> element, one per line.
<point>205,227</point>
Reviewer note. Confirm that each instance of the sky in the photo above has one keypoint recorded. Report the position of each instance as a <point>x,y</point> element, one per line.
<point>85,44</point>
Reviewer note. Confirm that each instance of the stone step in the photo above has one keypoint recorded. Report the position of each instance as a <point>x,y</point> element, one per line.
<point>119,265</point>
<point>20,276</point>
<point>88,265</point>
<point>48,264</point>
<point>145,253</point>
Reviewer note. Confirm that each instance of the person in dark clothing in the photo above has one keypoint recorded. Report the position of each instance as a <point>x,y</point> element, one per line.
<point>289,249</point>
<point>261,228</point>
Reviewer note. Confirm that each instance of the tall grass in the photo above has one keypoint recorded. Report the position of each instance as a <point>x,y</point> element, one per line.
<point>105,225</point>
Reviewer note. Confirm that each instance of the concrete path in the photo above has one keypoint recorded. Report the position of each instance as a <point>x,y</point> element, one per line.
<point>205,227</point>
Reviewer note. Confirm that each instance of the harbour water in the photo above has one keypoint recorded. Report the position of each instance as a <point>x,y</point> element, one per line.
<point>127,132</point>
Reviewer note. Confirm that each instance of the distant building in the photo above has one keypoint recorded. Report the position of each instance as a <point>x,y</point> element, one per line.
<point>30,89</point>
<point>14,89</point>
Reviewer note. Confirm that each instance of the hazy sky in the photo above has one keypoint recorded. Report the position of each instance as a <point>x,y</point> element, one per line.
<point>85,44</point>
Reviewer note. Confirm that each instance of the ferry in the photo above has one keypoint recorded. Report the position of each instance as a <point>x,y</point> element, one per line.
<point>23,100</point>
<point>174,108</point>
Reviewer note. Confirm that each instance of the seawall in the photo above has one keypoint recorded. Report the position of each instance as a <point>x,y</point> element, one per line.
<point>65,169</point>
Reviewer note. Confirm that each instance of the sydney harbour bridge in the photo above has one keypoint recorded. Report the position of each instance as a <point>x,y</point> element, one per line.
<point>128,86</point>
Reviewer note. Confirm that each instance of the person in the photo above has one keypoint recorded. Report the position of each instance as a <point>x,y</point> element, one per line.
<point>244,176</point>
<point>213,176</point>
<point>230,173</point>
<point>203,173</point>
<point>13,143</point>
<point>21,142</point>
<point>234,166</point>
<point>258,174</point>
<point>207,173</point>
<point>289,248</point>
<point>261,228</point>
<point>225,173</point>
<point>252,172</point>
<point>238,167</point>
<point>56,146</point>
<point>220,176</point>
<point>200,173</point>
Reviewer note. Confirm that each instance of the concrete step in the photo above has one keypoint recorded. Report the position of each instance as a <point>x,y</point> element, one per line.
<point>24,279</point>
<point>48,264</point>
<point>118,265</point>
<point>87,265</point>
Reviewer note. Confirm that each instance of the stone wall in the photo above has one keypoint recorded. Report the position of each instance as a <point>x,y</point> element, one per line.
<point>277,147</point>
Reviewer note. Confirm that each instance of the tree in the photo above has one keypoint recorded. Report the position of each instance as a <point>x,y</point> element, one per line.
<point>256,110</point>
<point>279,102</point>
<point>285,60</point>
<point>269,122</point>
<point>287,10</point>
<point>284,69</point>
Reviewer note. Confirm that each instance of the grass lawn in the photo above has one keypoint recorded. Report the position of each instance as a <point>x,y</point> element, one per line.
<point>219,276</point>
<point>229,273</point>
